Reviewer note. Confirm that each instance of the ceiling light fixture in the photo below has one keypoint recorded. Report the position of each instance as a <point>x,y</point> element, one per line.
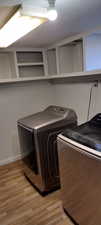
<point>18,26</point>
<point>24,20</point>
<point>52,12</point>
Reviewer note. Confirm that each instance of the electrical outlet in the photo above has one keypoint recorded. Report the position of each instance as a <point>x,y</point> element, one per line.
<point>96,83</point>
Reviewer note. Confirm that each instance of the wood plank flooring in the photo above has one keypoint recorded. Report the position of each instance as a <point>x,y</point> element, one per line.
<point>21,204</point>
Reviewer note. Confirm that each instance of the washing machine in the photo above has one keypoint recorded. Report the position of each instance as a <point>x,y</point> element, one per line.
<point>37,137</point>
<point>79,152</point>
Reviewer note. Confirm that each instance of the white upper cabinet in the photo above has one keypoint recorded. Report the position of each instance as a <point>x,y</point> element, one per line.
<point>30,63</point>
<point>71,57</point>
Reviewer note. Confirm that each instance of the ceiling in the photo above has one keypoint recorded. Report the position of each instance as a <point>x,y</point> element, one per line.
<point>74,16</point>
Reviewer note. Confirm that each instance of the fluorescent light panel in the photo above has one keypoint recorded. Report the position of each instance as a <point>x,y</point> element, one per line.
<point>18,26</point>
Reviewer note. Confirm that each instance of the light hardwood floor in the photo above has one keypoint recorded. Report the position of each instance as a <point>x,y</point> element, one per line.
<point>21,204</point>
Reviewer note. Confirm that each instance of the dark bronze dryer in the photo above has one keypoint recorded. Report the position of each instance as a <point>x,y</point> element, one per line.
<point>37,135</point>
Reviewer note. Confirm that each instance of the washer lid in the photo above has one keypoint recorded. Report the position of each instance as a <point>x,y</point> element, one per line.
<point>87,134</point>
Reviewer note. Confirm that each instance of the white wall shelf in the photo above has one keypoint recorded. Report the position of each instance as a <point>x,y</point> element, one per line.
<point>29,56</point>
<point>31,64</point>
<point>88,76</point>
<point>32,71</point>
<point>17,80</point>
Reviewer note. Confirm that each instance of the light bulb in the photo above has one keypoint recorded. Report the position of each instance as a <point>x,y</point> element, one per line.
<point>52,14</point>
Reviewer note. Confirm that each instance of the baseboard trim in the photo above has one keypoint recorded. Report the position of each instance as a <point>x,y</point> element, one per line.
<point>11,159</point>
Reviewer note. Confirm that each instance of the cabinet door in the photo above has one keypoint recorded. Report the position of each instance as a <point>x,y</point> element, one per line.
<point>66,59</point>
<point>5,66</point>
<point>78,57</point>
<point>71,57</point>
<point>51,59</point>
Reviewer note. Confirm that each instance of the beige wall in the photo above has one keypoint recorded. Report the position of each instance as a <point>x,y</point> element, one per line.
<point>17,101</point>
<point>76,96</point>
